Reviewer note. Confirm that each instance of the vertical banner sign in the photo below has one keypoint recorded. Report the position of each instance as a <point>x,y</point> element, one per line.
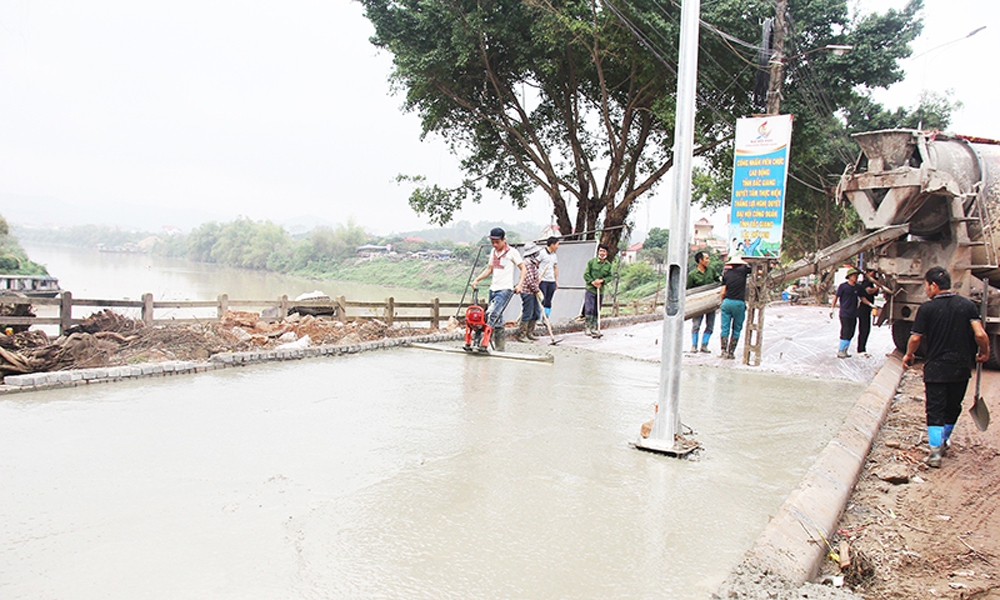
<point>760,170</point>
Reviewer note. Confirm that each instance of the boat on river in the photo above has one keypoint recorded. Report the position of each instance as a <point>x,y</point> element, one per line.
<point>32,286</point>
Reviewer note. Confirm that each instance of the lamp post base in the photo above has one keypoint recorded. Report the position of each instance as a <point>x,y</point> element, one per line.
<point>681,448</point>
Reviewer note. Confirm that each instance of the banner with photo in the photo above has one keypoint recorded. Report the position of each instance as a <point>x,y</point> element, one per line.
<point>760,171</point>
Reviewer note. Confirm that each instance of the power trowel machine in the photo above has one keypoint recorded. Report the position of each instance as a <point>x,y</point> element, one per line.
<point>477,331</point>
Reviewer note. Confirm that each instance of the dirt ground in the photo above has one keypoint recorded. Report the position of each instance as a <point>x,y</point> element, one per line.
<point>917,532</point>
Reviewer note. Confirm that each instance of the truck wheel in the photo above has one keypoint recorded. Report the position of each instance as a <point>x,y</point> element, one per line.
<point>993,362</point>
<point>901,334</point>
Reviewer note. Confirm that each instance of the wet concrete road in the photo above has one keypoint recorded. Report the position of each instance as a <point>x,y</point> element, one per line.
<point>398,474</point>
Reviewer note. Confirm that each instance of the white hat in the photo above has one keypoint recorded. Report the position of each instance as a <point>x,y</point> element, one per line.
<point>529,249</point>
<point>736,259</point>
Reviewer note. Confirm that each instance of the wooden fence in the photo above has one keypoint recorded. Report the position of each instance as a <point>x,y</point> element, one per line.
<point>390,311</point>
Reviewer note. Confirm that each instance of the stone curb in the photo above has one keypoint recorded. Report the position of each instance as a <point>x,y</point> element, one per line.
<point>76,377</point>
<point>792,543</point>
<point>13,384</point>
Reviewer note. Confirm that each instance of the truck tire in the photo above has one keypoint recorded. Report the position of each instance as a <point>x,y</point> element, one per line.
<point>901,334</point>
<point>993,362</point>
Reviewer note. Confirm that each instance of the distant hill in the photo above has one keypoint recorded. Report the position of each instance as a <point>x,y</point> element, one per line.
<point>42,212</point>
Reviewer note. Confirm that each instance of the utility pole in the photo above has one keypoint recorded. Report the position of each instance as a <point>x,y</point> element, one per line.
<point>776,65</point>
<point>758,293</point>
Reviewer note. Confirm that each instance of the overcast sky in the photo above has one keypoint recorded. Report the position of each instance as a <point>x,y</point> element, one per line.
<point>274,110</point>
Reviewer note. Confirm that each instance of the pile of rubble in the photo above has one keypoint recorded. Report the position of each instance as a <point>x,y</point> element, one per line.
<point>108,339</point>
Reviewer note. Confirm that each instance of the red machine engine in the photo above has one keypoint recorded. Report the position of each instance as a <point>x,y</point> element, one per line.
<point>477,332</point>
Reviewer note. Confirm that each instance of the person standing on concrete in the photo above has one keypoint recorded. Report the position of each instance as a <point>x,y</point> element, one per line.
<point>597,272</point>
<point>701,274</point>
<point>867,288</point>
<point>504,261</point>
<point>847,295</point>
<point>548,266</point>
<point>734,305</point>
<point>530,310</point>
<point>952,328</point>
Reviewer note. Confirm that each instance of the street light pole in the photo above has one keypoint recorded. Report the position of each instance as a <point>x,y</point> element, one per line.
<point>664,436</point>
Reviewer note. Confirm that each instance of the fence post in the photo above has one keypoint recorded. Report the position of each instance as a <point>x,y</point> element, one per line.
<point>147,309</point>
<point>390,310</point>
<point>65,312</point>
<point>435,313</point>
<point>342,308</point>
<point>223,305</point>
<point>282,307</point>
<point>635,307</point>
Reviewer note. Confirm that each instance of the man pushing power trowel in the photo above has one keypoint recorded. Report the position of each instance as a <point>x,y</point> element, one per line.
<point>505,265</point>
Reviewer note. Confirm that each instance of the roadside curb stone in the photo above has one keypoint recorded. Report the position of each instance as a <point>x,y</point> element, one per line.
<point>790,546</point>
<point>76,377</point>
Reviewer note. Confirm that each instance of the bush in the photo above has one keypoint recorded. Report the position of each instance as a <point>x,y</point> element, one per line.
<point>637,274</point>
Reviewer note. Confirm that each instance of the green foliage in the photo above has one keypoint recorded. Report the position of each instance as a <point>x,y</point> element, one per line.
<point>636,274</point>
<point>562,98</point>
<point>657,238</point>
<point>436,275</point>
<point>13,259</point>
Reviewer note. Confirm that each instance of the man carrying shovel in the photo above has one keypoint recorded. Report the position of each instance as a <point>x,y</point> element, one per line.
<point>952,327</point>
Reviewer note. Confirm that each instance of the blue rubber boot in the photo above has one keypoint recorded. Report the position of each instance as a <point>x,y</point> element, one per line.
<point>935,437</point>
<point>946,439</point>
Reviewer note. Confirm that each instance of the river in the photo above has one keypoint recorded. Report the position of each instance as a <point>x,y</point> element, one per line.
<point>115,276</point>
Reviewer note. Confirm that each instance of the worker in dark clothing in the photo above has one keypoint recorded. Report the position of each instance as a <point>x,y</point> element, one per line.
<point>867,288</point>
<point>734,305</point>
<point>847,296</point>
<point>950,324</point>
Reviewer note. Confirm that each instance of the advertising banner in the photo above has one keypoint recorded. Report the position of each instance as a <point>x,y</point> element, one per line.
<point>760,170</point>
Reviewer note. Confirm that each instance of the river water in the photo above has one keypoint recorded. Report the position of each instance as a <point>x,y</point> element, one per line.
<point>398,474</point>
<point>115,276</point>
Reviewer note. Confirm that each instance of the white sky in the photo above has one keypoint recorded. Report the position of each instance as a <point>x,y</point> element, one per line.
<point>274,110</point>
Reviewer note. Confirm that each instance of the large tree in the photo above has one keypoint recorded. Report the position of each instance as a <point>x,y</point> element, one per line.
<point>576,98</point>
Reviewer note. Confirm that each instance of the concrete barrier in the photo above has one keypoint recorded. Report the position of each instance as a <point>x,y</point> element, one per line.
<point>792,544</point>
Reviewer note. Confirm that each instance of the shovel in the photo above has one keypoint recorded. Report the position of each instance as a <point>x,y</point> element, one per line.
<point>545,318</point>
<point>980,414</point>
<point>599,334</point>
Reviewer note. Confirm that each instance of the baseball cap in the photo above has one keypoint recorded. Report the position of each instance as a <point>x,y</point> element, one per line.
<point>497,233</point>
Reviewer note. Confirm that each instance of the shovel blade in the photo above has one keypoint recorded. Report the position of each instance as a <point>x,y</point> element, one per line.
<point>980,414</point>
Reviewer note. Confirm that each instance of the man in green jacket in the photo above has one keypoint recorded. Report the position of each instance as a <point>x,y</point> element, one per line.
<point>598,271</point>
<point>702,274</point>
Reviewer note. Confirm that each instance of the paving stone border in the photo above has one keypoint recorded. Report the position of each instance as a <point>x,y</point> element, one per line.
<point>77,377</point>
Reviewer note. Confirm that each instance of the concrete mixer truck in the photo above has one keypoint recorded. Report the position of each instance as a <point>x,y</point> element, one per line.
<point>926,199</point>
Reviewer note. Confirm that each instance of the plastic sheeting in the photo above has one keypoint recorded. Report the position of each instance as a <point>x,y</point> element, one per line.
<point>798,340</point>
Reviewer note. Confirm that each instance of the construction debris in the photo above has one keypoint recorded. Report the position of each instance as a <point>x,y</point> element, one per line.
<point>108,339</point>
